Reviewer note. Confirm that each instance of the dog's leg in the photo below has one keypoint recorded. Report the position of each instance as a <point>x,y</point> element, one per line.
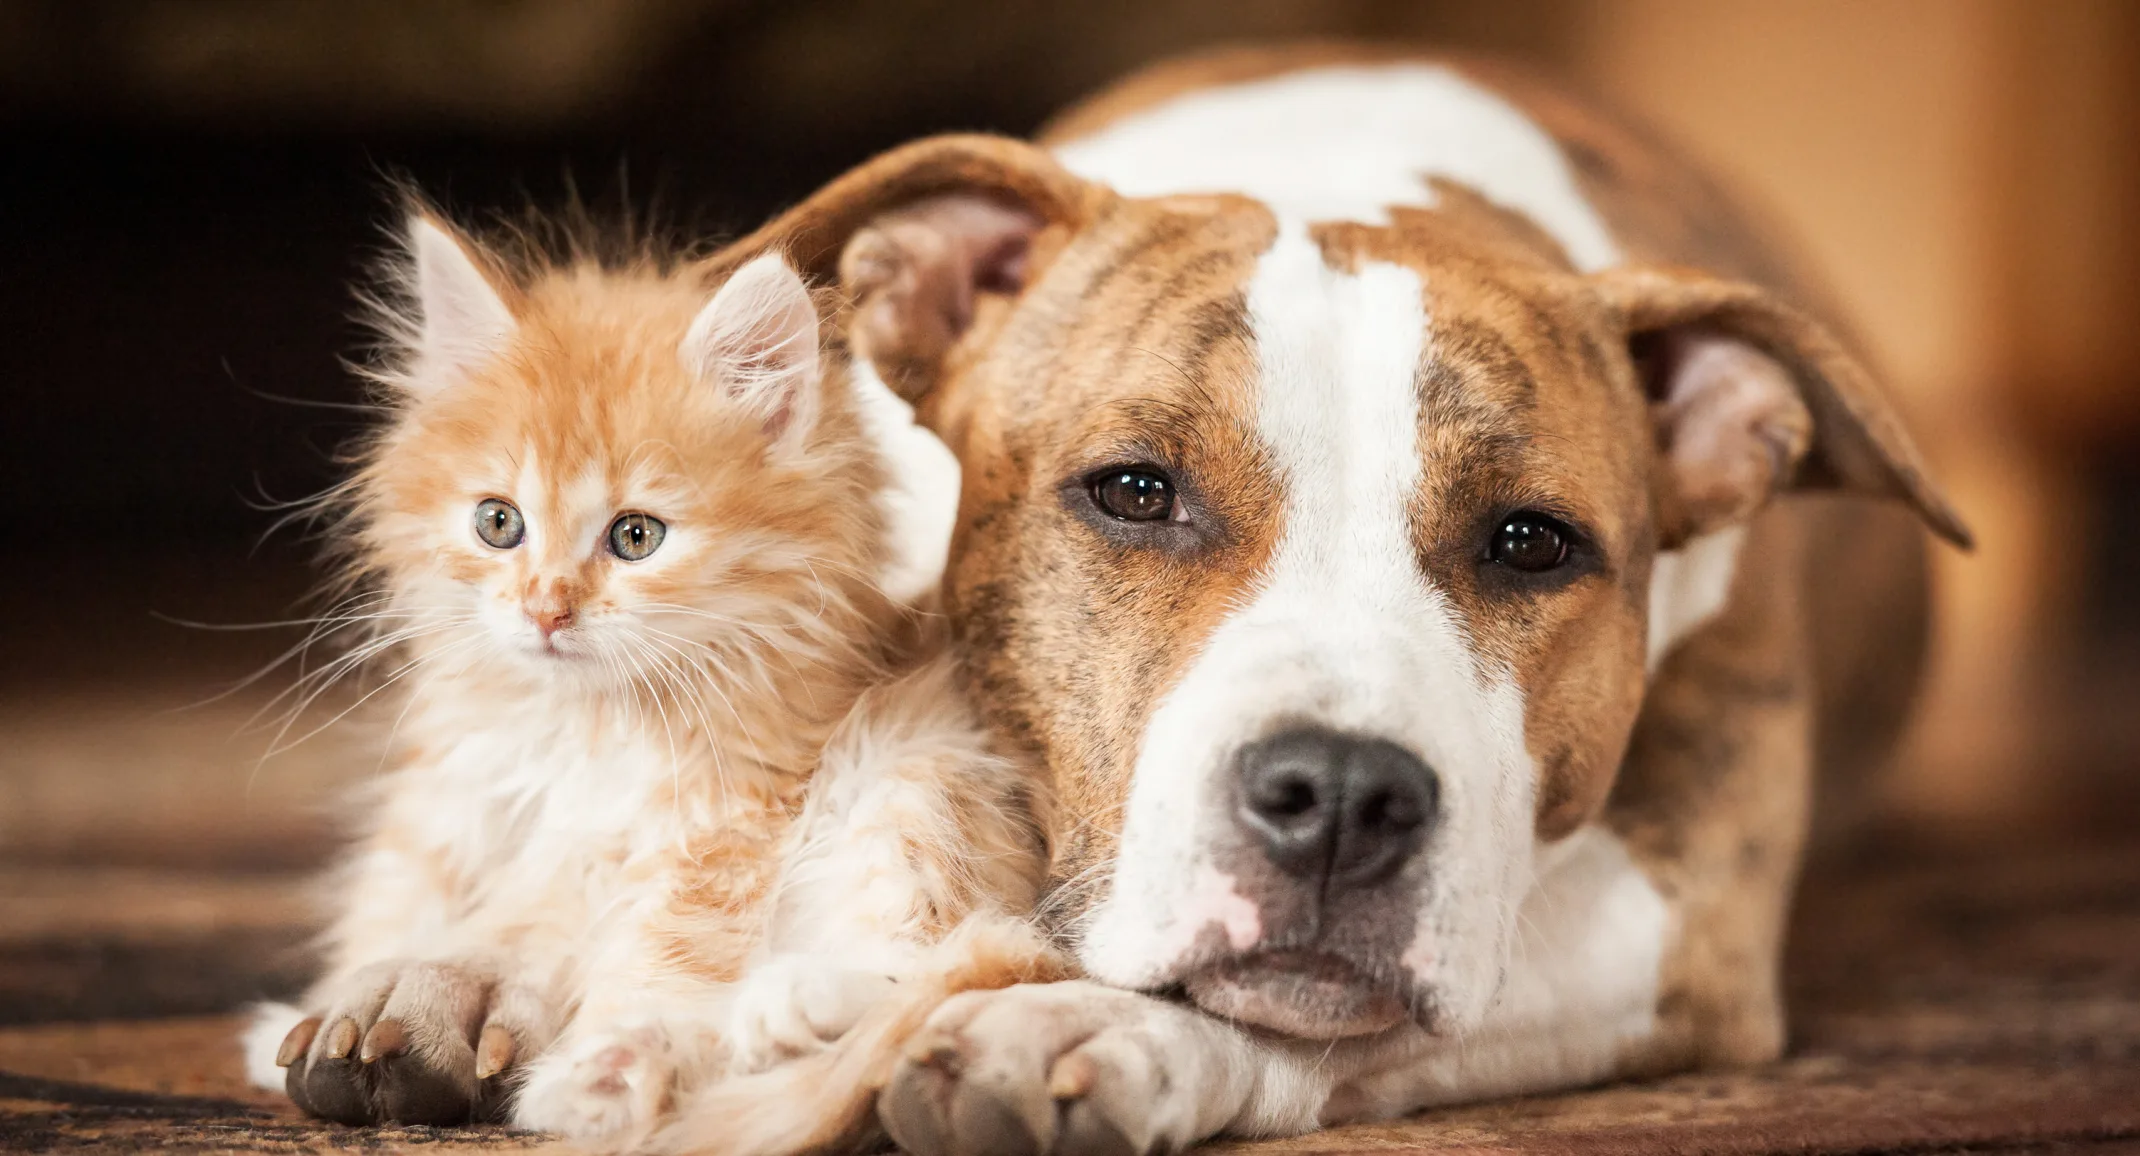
<point>1713,802</point>
<point>1077,1069</point>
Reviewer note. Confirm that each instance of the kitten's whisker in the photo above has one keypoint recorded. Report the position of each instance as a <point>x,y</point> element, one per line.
<point>677,679</point>
<point>680,678</point>
<point>319,632</point>
<point>309,685</point>
<point>279,745</point>
<point>676,774</point>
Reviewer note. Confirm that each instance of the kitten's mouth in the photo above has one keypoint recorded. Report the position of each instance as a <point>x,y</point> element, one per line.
<point>548,647</point>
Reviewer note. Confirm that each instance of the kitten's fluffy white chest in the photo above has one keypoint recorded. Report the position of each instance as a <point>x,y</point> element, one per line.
<point>549,816</point>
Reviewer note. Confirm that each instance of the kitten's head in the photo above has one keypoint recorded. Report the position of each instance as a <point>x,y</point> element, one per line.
<point>594,475</point>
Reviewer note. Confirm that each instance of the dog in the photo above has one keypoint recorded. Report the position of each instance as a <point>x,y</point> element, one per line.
<point>1391,513</point>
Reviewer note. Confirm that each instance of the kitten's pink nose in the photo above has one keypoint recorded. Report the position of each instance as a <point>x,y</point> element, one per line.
<point>549,617</point>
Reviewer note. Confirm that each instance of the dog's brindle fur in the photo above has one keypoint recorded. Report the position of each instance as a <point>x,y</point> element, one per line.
<point>1050,328</point>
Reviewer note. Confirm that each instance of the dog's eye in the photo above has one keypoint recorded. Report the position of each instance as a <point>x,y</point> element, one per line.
<point>1529,541</point>
<point>634,536</point>
<point>1135,495</point>
<point>499,524</point>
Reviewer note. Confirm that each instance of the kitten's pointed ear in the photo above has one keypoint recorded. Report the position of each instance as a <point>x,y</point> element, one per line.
<point>757,339</point>
<point>461,318</point>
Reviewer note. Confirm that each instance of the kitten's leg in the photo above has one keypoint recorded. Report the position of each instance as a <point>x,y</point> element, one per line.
<point>650,1021</point>
<point>413,1022</point>
<point>912,824</point>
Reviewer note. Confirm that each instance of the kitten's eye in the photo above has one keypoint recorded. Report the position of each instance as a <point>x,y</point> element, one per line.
<point>1135,495</point>
<point>634,536</point>
<point>1530,541</point>
<point>499,524</point>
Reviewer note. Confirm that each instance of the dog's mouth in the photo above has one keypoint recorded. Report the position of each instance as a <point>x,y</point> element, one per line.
<point>1313,995</point>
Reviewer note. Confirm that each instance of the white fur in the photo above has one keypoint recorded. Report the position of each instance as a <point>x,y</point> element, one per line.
<point>1344,630</point>
<point>267,1024</point>
<point>461,321</point>
<point>1689,586</point>
<point>920,499</point>
<point>758,340</point>
<point>1346,143</point>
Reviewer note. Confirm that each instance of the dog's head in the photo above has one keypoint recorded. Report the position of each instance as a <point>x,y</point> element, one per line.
<point>1317,560</point>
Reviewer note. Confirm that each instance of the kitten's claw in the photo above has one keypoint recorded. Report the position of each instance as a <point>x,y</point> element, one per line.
<point>386,1038</point>
<point>494,1052</point>
<point>299,1039</point>
<point>341,1038</point>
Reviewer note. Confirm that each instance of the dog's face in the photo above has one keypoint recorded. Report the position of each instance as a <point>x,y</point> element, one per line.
<point>1314,560</point>
<point>1320,574</point>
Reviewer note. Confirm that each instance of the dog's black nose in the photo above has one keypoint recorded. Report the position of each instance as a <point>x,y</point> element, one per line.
<point>1323,803</point>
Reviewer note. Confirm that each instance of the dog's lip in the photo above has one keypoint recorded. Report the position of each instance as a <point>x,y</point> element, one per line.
<point>1304,993</point>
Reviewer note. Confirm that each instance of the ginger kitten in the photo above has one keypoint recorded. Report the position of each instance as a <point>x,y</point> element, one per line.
<point>619,535</point>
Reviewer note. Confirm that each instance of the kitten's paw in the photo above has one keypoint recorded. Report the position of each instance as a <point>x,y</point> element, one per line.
<point>412,1043</point>
<point>794,1005</point>
<point>607,1088</point>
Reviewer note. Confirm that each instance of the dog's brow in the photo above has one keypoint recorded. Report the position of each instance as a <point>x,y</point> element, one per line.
<point>1143,427</point>
<point>1471,371</point>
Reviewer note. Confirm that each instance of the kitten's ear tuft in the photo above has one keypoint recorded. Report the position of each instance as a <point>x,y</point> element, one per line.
<point>461,319</point>
<point>758,341</point>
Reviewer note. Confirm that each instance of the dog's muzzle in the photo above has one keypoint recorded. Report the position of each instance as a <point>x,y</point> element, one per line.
<point>1327,823</point>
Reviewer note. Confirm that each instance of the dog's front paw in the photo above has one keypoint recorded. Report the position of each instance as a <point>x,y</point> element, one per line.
<point>1063,1069</point>
<point>793,1005</point>
<point>411,1043</point>
<point>599,1087</point>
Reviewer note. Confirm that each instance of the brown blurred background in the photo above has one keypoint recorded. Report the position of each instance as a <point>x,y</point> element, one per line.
<point>191,185</point>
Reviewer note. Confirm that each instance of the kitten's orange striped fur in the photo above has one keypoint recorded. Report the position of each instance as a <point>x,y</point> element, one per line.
<point>607,866</point>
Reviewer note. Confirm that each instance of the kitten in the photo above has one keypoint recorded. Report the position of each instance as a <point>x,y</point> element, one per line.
<point>619,534</point>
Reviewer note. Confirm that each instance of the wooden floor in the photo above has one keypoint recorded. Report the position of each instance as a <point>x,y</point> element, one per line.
<point>153,873</point>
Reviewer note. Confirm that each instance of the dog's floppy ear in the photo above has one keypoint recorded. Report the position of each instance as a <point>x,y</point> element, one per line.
<point>1750,397</point>
<point>919,235</point>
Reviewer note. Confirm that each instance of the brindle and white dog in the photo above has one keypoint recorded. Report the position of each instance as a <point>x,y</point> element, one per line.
<point>1367,519</point>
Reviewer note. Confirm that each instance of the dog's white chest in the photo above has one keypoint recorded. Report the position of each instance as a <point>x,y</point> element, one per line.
<point>1347,143</point>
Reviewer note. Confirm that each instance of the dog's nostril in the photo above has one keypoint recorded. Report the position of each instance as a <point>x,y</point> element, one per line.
<point>1386,812</point>
<point>1286,798</point>
<point>1288,784</point>
<point>1389,798</point>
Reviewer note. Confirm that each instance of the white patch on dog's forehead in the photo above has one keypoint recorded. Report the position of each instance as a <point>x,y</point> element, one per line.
<point>1344,631</point>
<point>1346,143</point>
